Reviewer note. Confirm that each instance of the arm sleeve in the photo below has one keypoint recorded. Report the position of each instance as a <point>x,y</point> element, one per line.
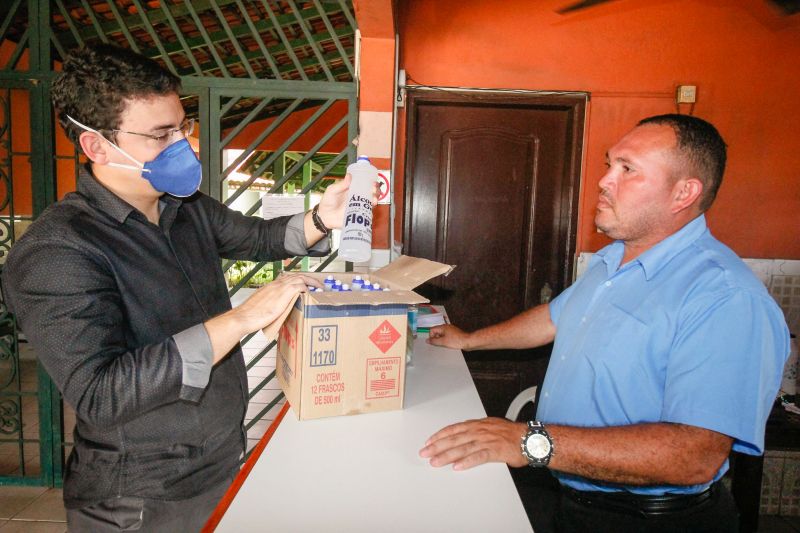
<point>255,239</point>
<point>725,366</point>
<point>77,329</point>
<point>558,303</point>
<point>197,355</point>
<point>295,241</point>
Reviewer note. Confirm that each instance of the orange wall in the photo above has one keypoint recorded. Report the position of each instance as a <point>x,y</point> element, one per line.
<point>630,55</point>
<point>21,142</point>
<point>375,19</point>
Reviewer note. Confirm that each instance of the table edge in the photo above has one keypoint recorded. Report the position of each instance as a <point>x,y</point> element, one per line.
<point>238,481</point>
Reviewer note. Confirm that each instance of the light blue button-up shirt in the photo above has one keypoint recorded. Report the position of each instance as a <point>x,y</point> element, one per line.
<point>684,333</point>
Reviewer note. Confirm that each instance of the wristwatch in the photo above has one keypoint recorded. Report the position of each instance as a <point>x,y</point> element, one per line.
<point>537,445</point>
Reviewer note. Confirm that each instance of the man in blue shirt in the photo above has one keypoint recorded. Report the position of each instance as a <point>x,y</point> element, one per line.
<point>667,353</point>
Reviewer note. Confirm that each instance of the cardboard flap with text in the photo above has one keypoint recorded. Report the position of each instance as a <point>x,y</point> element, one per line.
<point>408,272</point>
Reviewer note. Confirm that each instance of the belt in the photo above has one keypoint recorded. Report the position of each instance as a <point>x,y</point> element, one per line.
<point>639,504</point>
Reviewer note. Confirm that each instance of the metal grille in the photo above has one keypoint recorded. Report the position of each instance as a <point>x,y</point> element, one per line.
<point>272,84</point>
<point>255,39</point>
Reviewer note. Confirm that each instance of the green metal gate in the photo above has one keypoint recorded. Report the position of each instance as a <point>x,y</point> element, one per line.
<point>272,84</point>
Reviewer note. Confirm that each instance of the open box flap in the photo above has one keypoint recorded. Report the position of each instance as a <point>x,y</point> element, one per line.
<point>408,272</point>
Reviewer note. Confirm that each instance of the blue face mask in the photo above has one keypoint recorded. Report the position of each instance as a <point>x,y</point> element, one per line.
<point>176,170</point>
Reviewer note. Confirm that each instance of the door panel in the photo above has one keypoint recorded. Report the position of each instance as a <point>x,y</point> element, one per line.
<point>492,187</point>
<point>497,210</point>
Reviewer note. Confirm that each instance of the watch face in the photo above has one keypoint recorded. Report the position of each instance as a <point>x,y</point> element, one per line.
<point>537,446</point>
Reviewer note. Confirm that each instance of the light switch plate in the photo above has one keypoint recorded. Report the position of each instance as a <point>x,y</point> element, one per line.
<point>687,94</point>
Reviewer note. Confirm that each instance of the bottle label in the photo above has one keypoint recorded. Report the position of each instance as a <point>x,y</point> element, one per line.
<point>358,220</point>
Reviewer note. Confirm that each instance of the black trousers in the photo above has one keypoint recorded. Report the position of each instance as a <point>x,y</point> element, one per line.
<point>716,515</point>
<point>128,513</point>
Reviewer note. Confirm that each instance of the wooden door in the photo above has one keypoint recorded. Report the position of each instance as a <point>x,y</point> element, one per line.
<point>492,187</point>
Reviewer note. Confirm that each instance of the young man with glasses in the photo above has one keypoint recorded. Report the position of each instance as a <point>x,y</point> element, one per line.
<point>120,291</point>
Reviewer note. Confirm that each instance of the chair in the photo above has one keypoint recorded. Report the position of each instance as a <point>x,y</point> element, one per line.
<point>528,395</point>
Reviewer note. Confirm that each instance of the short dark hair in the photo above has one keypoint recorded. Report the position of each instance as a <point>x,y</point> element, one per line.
<point>96,81</point>
<point>702,149</point>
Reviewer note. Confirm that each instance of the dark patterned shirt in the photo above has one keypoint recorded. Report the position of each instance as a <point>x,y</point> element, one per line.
<point>114,307</point>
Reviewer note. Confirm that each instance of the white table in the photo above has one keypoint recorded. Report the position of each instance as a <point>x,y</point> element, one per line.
<point>363,473</point>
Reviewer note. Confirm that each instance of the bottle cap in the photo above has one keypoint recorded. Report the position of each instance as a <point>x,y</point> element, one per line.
<point>376,286</point>
<point>363,158</point>
<point>345,287</point>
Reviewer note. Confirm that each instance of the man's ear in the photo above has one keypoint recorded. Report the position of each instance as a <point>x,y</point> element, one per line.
<point>95,147</point>
<point>686,192</point>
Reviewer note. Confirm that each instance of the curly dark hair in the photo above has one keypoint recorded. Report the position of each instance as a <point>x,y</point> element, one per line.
<point>702,149</point>
<point>96,82</point>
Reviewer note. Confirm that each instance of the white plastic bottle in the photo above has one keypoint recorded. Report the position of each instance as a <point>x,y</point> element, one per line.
<point>356,242</point>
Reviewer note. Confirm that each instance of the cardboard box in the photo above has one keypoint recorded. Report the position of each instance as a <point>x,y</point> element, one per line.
<point>344,353</point>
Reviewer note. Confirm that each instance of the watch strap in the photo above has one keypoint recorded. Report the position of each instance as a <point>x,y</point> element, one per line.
<point>537,428</point>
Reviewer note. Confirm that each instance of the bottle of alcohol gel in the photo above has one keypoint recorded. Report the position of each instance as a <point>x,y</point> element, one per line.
<point>356,243</point>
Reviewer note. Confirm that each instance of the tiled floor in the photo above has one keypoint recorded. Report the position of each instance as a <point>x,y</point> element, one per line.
<point>40,510</point>
<point>37,509</point>
<point>31,510</point>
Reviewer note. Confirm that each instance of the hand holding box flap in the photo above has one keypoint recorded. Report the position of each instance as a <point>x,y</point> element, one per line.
<point>402,275</point>
<point>273,328</point>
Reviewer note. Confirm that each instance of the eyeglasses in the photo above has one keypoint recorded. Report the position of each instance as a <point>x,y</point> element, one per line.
<point>186,128</point>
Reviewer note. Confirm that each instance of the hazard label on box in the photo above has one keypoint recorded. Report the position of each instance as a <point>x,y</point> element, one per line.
<point>384,336</point>
<point>383,377</point>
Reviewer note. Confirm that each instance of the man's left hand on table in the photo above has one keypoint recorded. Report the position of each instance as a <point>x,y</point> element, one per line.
<point>475,442</point>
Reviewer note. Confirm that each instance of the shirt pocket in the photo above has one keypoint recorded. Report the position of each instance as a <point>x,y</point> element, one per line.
<point>627,377</point>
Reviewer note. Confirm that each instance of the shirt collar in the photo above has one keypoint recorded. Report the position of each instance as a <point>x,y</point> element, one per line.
<point>654,259</point>
<point>110,203</point>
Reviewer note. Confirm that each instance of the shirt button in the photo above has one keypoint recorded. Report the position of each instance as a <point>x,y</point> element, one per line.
<point>583,320</point>
<point>608,283</point>
<point>546,394</point>
<point>562,357</point>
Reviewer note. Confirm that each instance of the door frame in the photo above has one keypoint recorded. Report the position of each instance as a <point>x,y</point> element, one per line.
<point>574,102</point>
